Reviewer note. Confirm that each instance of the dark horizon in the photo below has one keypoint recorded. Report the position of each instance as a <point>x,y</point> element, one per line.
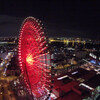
<point>60,18</point>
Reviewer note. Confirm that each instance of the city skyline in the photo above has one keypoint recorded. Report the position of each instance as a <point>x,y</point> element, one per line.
<point>34,66</point>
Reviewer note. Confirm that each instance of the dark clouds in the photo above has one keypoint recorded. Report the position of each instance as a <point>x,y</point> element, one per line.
<point>75,18</point>
<point>9,26</point>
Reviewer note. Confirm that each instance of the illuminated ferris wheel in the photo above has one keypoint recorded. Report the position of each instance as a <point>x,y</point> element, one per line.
<point>34,59</point>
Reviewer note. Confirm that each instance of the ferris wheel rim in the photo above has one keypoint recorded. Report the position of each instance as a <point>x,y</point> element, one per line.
<point>27,19</point>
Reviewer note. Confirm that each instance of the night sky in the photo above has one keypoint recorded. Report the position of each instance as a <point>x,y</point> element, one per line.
<point>69,19</point>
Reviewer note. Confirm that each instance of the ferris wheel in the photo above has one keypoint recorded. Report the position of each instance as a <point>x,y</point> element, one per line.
<point>34,59</point>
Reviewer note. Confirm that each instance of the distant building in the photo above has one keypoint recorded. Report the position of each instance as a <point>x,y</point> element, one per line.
<point>95,58</point>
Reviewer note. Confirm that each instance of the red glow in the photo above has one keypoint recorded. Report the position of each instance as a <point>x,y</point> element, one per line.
<point>29,59</point>
<point>32,56</point>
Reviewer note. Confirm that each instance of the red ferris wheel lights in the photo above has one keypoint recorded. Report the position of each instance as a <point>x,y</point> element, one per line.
<point>33,57</point>
<point>41,55</point>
